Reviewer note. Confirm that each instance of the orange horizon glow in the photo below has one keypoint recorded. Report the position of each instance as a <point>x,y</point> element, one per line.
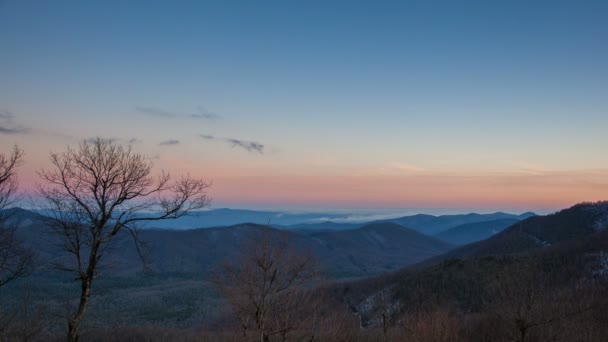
<point>411,189</point>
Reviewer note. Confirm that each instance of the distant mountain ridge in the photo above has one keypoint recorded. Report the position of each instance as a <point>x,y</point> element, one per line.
<point>423,223</point>
<point>472,232</point>
<point>432,225</point>
<point>368,250</point>
<point>569,224</point>
<point>426,224</point>
<point>569,244</point>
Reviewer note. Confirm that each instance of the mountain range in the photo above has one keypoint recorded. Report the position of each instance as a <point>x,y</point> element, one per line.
<point>552,251</point>
<point>370,264</point>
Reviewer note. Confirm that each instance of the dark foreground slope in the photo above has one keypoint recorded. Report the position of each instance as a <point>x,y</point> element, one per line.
<point>175,291</point>
<point>374,248</point>
<point>539,258</point>
<point>545,278</point>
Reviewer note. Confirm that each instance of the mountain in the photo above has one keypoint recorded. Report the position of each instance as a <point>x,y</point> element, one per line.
<point>547,254</point>
<point>536,232</point>
<point>426,224</point>
<point>432,225</point>
<point>471,232</point>
<point>358,252</point>
<point>228,217</point>
<point>375,248</point>
<point>307,228</point>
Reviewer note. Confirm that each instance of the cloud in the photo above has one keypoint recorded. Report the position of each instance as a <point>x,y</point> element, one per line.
<point>170,142</point>
<point>103,140</point>
<point>151,111</point>
<point>13,130</point>
<point>6,115</point>
<point>133,141</point>
<point>358,218</point>
<point>202,113</point>
<point>7,126</point>
<point>207,136</point>
<point>130,141</point>
<point>250,146</point>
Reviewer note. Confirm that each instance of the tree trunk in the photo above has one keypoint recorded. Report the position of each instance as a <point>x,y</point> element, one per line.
<point>74,323</point>
<point>85,293</point>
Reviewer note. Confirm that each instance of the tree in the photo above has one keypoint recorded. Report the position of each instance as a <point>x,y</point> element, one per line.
<point>100,189</point>
<point>15,259</point>
<point>268,286</point>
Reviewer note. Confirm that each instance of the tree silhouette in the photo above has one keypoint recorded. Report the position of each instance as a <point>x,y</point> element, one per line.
<point>96,191</point>
<point>15,259</point>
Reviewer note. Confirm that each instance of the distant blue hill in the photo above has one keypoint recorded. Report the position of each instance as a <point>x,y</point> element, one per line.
<point>477,231</point>
<point>229,217</point>
<point>309,222</point>
<point>468,227</point>
<point>432,225</point>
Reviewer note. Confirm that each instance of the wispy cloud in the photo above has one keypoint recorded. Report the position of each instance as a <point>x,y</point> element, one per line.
<point>201,113</point>
<point>250,146</point>
<point>8,126</point>
<point>130,141</point>
<point>103,140</point>
<point>170,142</point>
<point>14,130</point>
<point>6,115</point>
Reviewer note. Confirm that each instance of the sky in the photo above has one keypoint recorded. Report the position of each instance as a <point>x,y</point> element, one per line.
<point>319,104</point>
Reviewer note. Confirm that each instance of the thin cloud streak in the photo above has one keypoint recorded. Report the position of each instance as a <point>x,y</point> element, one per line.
<point>170,142</point>
<point>14,130</point>
<point>202,113</point>
<point>104,140</point>
<point>7,126</point>
<point>249,146</point>
<point>6,115</point>
<point>130,141</point>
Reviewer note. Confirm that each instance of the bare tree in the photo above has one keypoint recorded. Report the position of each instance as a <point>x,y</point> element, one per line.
<point>268,286</point>
<point>100,189</point>
<point>15,259</point>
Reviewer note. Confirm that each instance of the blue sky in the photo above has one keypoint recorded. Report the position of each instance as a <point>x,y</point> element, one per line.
<point>431,96</point>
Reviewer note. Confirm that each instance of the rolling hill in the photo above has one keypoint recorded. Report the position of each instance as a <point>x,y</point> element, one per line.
<point>432,225</point>
<point>548,252</point>
<point>368,250</point>
<point>472,232</point>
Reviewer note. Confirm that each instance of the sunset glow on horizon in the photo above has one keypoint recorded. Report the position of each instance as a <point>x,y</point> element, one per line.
<point>473,105</point>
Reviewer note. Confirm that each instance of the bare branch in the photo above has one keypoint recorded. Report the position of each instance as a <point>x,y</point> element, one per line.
<point>268,285</point>
<point>98,189</point>
<point>15,259</point>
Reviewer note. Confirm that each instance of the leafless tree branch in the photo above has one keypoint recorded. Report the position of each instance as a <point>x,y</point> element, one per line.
<point>95,191</point>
